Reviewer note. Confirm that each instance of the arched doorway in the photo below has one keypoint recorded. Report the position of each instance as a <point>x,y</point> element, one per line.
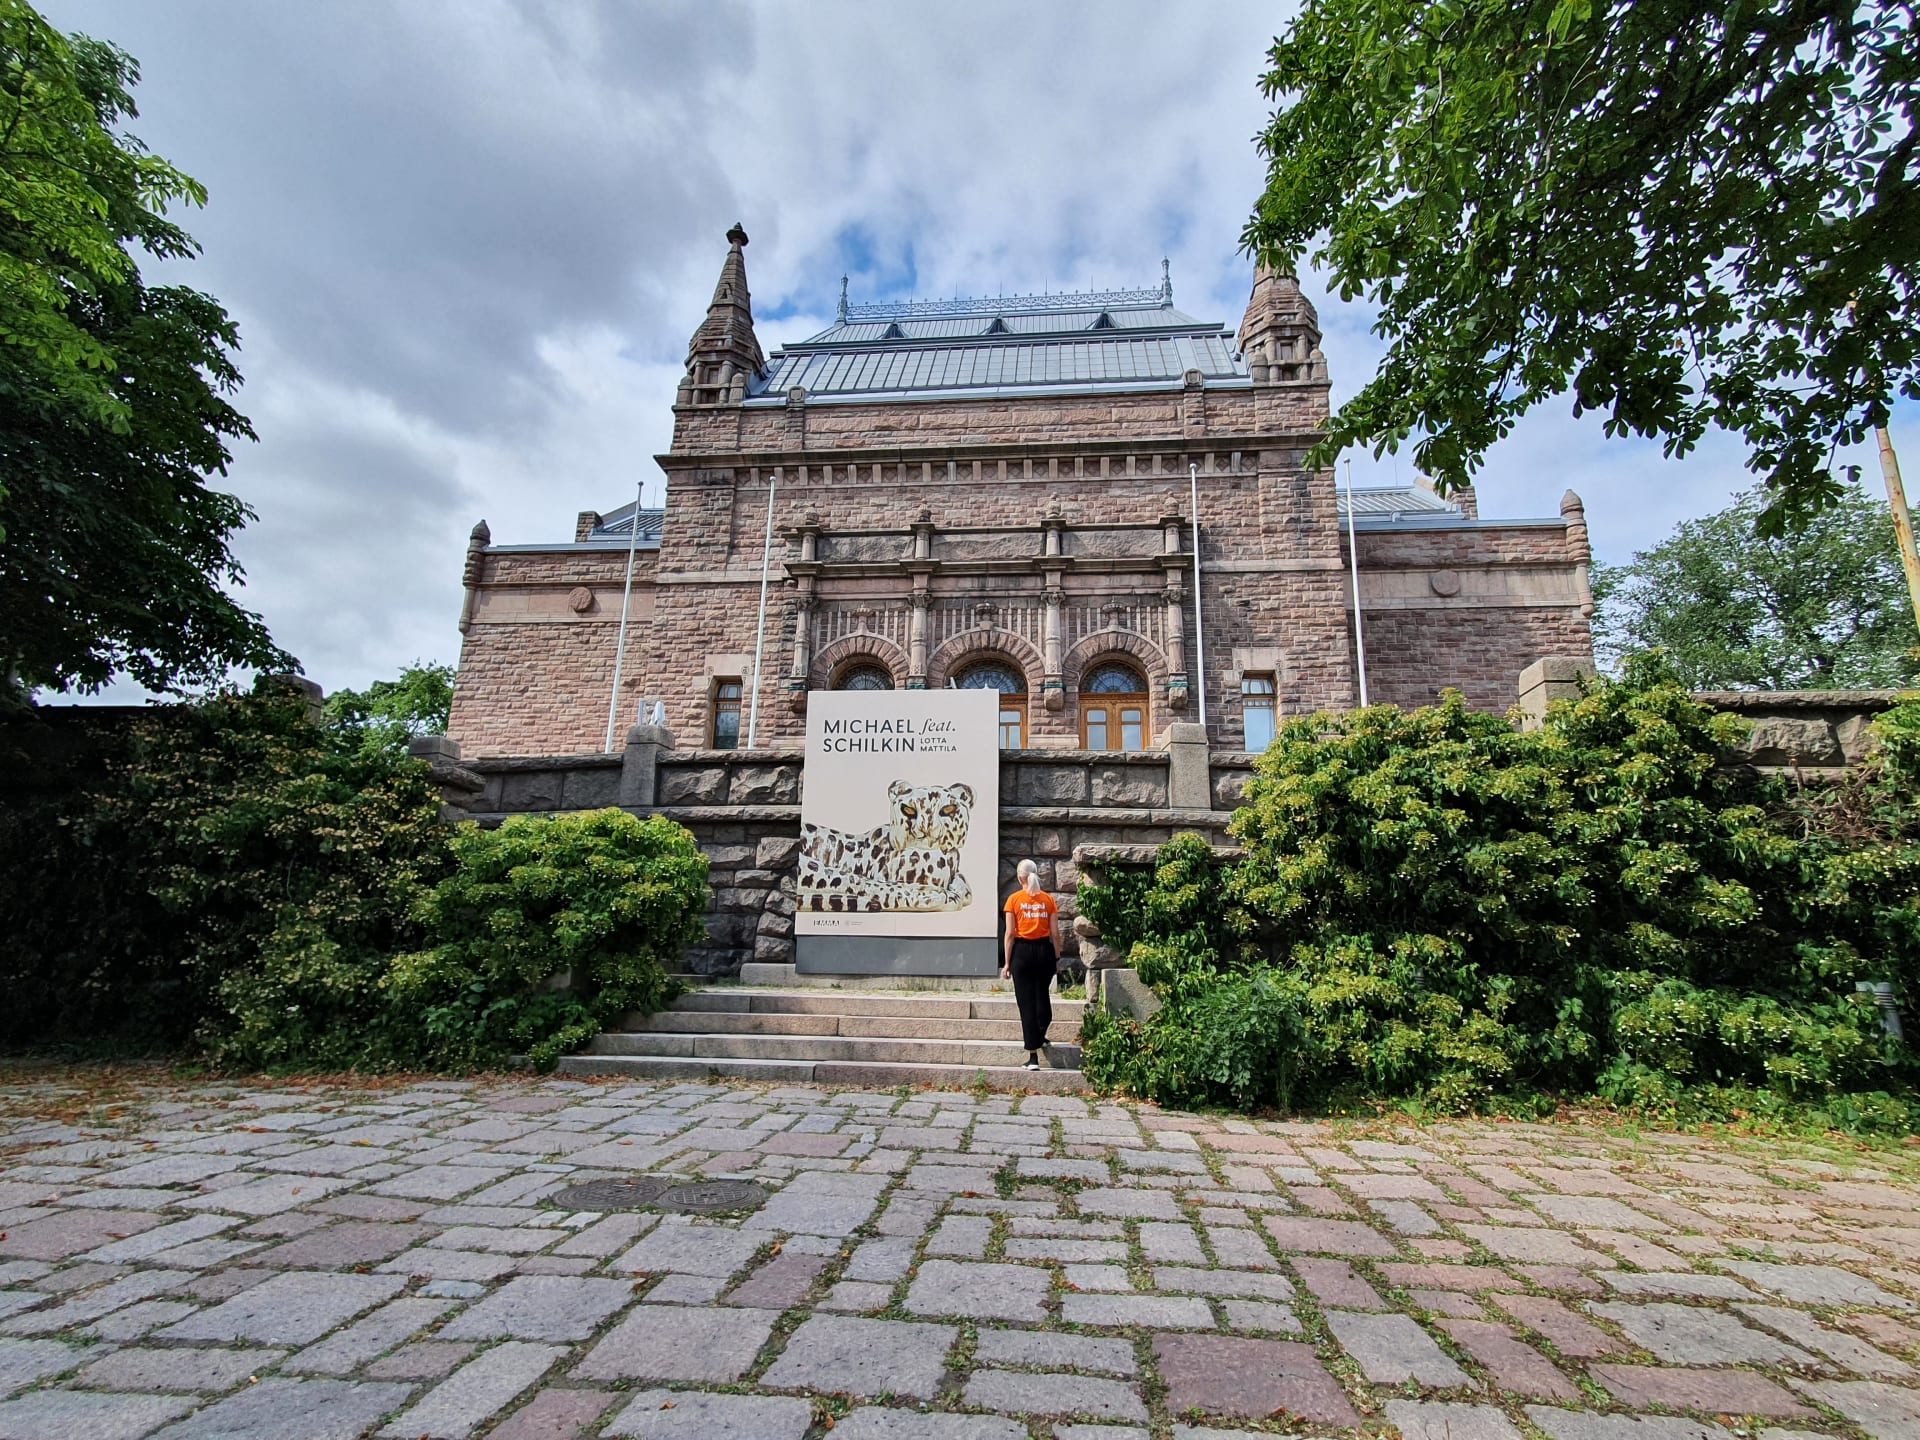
<point>1113,708</point>
<point>864,675</point>
<point>1012,685</point>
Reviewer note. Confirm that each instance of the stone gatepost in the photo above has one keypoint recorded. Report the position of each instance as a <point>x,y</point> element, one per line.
<point>1550,678</point>
<point>640,766</point>
<point>1189,767</point>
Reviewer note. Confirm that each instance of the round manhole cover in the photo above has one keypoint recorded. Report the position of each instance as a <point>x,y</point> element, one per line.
<point>705,1197</point>
<point>609,1195</point>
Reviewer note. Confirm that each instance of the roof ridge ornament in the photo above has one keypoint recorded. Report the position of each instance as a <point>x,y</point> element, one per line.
<point>841,313</point>
<point>1166,281</point>
<point>1013,304</point>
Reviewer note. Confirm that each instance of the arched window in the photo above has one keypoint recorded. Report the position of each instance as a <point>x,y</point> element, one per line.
<point>1113,708</point>
<point>864,677</point>
<point>1012,685</point>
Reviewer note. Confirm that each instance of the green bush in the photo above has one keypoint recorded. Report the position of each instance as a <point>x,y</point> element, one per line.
<point>602,900</point>
<point>232,874</point>
<point>1436,907</point>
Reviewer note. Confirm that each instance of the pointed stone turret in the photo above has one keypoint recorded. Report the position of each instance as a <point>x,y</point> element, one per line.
<point>1280,334</point>
<point>724,354</point>
<point>1579,549</point>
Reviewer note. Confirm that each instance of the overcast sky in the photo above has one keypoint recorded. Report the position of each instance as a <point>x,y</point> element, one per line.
<point>466,242</point>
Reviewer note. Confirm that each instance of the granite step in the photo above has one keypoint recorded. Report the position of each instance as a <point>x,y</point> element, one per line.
<point>834,1048</point>
<point>836,1074</point>
<point>741,999</point>
<point>877,1027</point>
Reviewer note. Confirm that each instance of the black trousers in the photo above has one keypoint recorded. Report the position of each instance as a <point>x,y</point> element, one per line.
<point>1033,967</point>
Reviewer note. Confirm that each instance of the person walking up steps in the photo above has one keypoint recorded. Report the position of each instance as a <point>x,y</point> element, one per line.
<point>1032,949</point>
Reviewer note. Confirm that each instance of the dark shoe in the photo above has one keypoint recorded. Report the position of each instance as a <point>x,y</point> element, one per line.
<point>1032,1062</point>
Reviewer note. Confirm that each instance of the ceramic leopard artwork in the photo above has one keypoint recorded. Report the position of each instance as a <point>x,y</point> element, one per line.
<point>910,863</point>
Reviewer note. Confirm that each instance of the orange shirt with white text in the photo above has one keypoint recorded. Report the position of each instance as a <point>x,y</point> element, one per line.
<point>1032,915</point>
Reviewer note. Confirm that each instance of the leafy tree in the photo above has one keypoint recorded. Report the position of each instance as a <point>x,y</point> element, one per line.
<point>388,713</point>
<point>1670,209</point>
<point>1819,608</point>
<point>113,395</point>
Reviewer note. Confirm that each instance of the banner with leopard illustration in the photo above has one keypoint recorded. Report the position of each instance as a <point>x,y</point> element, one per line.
<point>900,809</point>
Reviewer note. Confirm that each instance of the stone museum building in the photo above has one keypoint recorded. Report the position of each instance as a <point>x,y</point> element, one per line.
<point>996,494</point>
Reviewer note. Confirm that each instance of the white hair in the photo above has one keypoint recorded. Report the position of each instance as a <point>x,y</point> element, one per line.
<point>1025,868</point>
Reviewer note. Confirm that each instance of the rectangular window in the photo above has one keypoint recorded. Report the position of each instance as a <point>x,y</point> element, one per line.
<point>1257,711</point>
<point>726,714</point>
<point>1013,727</point>
<point>1096,726</point>
<point>1133,728</point>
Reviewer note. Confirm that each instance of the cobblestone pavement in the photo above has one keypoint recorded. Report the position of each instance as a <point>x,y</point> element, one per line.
<point>328,1261</point>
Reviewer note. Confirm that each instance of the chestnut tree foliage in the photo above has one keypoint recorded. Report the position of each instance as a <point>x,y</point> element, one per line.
<point>114,403</point>
<point>1684,215</point>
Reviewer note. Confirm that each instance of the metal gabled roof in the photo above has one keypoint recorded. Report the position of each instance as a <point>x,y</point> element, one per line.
<point>1126,339</point>
<point>618,525</point>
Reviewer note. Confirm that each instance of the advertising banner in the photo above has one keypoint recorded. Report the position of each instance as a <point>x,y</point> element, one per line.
<point>900,833</point>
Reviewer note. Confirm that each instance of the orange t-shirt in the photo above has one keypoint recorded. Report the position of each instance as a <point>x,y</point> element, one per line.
<point>1032,915</point>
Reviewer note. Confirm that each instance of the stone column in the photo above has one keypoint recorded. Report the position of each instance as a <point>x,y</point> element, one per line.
<point>922,599</point>
<point>1053,691</point>
<point>802,638</point>
<point>1177,688</point>
<point>1575,514</point>
<point>640,765</point>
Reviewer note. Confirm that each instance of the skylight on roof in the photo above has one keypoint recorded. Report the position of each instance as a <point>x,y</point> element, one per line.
<point>1105,322</point>
<point>998,327</point>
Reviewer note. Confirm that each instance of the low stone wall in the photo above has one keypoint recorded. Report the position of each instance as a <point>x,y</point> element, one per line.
<point>1803,730</point>
<point>1070,811</point>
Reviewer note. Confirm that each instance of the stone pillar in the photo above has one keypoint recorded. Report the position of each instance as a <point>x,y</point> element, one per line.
<point>640,765</point>
<point>802,640</point>
<point>477,543</point>
<point>1177,688</point>
<point>1578,548</point>
<point>921,599</point>
<point>1053,689</point>
<point>1189,781</point>
<point>1550,678</point>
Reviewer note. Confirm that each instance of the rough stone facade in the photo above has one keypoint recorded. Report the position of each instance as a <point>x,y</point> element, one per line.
<point>925,523</point>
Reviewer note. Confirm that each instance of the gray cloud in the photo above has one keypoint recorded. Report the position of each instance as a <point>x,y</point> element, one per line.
<point>466,241</point>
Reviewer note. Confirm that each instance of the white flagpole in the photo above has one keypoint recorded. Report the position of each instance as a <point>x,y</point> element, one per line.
<point>626,604</point>
<point>760,630</point>
<point>1199,625</point>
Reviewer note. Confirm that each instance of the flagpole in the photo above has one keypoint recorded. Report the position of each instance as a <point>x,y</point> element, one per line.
<point>626,605</point>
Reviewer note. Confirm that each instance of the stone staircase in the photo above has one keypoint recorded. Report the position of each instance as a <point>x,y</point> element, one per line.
<point>822,1036</point>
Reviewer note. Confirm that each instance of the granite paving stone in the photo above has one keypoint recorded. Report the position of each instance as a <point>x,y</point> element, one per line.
<point>1584,1425</point>
<point>1393,1348</point>
<point>279,1409</point>
<point>1326,1237</point>
<point>863,1357</point>
<point>1260,1317</point>
<point>1152,1311</point>
<point>1449,1420</point>
<point>980,1291</point>
<point>1254,1284</point>
<point>455,1407</point>
<point>293,1308</point>
<point>1565,1331</point>
<point>541,1307</point>
<point>1838,1346</point>
<point>1042,1394</point>
<point>1716,1392</point>
<point>871,1423</point>
<point>1511,1364</point>
<point>175,1370</point>
<point>702,1415</point>
<point>555,1414</point>
<point>422,1360</point>
<point>1885,1412</point>
<point>1051,1350</point>
<point>1681,1282</point>
<point>1251,1379</point>
<point>780,1282</point>
<point>71,1414</point>
<point>1333,1282</point>
<point>669,1342</point>
<point>1816,1284</point>
<point>347,1350</point>
<point>691,1250</point>
<point>1128,1204</point>
<point>1694,1335</point>
<point>24,1361</point>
